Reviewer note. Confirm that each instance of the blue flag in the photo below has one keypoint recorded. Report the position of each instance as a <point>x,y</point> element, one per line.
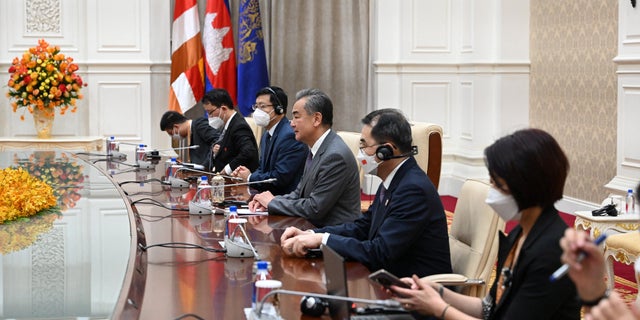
<point>252,61</point>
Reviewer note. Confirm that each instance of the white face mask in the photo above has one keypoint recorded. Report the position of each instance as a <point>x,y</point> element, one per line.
<point>261,118</point>
<point>368,163</point>
<point>504,205</point>
<point>216,123</point>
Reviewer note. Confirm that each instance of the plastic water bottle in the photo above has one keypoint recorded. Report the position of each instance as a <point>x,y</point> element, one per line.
<point>231,226</point>
<point>262,273</point>
<point>204,192</point>
<point>140,153</point>
<point>169,169</point>
<point>630,205</point>
<point>217,189</point>
<point>111,145</point>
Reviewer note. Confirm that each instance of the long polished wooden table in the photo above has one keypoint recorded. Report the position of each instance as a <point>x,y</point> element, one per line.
<point>170,283</point>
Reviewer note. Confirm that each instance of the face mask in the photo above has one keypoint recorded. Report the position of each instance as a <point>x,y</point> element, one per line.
<point>261,118</point>
<point>504,205</point>
<point>368,163</point>
<point>216,123</point>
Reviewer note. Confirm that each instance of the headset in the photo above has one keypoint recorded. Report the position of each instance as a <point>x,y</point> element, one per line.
<point>313,306</point>
<point>279,109</point>
<point>384,152</point>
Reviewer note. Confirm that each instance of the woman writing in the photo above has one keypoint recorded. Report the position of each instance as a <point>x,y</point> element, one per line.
<point>528,170</point>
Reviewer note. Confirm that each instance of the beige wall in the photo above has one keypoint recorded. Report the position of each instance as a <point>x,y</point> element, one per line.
<point>574,87</point>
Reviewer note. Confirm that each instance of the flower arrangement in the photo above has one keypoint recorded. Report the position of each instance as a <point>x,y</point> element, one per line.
<point>23,195</point>
<point>45,79</point>
<point>65,174</point>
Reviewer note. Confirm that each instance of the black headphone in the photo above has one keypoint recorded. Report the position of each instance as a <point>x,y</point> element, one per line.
<point>313,306</point>
<point>384,152</point>
<point>279,109</point>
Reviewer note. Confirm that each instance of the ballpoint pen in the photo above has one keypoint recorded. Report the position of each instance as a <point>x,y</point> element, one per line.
<point>562,271</point>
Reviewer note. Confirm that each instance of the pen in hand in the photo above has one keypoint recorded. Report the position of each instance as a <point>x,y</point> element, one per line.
<point>562,271</point>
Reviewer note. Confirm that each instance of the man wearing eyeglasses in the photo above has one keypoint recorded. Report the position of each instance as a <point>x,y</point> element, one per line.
<point>196,132</point>
<point>281,156</point>
<point>329,190</point>
<point>237,145</point>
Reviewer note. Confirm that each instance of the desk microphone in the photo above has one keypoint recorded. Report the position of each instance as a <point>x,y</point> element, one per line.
<point>239,248</point>
<point>180,183</point>
<point>205,207</point>
<point>385,303</point>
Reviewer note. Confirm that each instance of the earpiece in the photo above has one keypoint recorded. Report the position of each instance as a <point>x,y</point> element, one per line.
<point>313,306</point>
<point>279,109</point>
<point>385,152</point>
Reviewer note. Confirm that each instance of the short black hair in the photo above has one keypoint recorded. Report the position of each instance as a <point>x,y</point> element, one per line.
<point>218,97</point>
<point>279,99</point>
<point>390,125</point>
<point>532,164</point>
<point>171,118</point>
<point>317,101</point>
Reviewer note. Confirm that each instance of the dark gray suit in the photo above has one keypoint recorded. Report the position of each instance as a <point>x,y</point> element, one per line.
<point>329,192</point>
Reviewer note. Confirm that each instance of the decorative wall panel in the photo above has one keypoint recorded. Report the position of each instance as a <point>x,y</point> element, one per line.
<point>431,26</point>
<point>43,16</point>
<point>574,87</point>
<point>431,102</point>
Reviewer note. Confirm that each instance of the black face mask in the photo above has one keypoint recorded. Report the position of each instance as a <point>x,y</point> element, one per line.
<point>608,210</point>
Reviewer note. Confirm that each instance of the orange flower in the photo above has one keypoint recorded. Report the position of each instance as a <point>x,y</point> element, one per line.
<point>43,77</point>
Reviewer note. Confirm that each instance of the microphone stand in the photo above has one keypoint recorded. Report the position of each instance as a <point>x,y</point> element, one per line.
<point>197,208</point>
<point>384,303</point>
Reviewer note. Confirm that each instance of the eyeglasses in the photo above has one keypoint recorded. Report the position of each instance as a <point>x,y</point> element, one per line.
<point>260,106</point>
<point>363,146</point>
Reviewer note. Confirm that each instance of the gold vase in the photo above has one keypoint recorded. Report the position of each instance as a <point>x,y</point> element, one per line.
<point>43,121</point>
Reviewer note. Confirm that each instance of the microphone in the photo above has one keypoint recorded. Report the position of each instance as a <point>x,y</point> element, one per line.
<point>179,183</point>
<point>239,249</point>
<point>156,152</point>
<point>199,208</point>
<point>384,303</point>
<point>413,152</point>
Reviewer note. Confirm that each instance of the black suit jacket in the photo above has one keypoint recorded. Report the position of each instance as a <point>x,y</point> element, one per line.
<point>404,233</point>
<point>205,136</point>
<point>238,146</point>
<point>530,294</point>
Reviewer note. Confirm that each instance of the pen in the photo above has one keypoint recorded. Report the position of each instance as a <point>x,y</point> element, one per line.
<point>562,271</point>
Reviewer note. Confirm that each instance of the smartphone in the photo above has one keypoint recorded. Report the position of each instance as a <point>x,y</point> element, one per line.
<point>386,279</point>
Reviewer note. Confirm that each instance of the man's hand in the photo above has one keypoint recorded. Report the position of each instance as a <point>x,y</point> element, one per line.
<point>256,206</point>
<point>241,172</point>
<point>298,245</point>
<point>263,199</point>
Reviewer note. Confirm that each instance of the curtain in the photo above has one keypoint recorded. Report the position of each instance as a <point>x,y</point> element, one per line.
<point>322,44</point>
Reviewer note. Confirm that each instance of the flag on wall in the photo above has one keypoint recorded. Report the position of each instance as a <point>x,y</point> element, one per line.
<point>252,61</point>
<point>217,38</point>
<point>187,72</point>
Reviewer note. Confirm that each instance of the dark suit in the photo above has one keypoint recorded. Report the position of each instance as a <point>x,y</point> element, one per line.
<point>205,136</point>
<point>238,146</point>
<point>329,191</point>
<point>530,294</point>
<point>405,233</point>
<point>283,158</point>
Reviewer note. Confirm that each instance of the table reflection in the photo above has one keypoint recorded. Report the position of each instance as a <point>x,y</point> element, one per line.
<point>68,264</point>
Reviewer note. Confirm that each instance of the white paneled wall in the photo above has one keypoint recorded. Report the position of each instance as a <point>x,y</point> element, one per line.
<point>628,61</point>
<point>123,50</point>
<point>449,62</point>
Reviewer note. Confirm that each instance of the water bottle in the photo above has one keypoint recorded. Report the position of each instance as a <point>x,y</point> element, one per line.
<point>169,168</point>
<point>630,206</point>
<point>140,153</point>
<point>217,188</point>
<point>204,193</point>
<point>262,273</point>
<point>111,145</point>
<point>231,226</point>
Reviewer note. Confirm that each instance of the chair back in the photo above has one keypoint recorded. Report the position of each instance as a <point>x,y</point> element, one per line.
<point>257,130</point>
<point>473,237</point>
<point>352,139</point>
<point>428,138</point>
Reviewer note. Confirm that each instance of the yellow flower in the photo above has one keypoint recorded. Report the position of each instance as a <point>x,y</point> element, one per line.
<point>23,195</point>
<point>40,69</point>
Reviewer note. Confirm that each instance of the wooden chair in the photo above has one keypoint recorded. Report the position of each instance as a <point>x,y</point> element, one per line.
<point>624,248</point>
